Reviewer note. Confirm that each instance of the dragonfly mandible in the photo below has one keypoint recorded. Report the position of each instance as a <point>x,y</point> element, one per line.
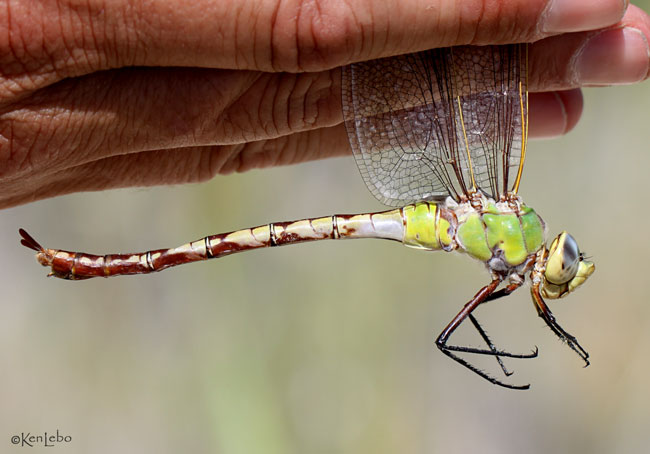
<point>440,134</point>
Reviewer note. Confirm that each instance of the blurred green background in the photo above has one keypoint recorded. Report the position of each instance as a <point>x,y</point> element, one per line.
<point>328,347</point>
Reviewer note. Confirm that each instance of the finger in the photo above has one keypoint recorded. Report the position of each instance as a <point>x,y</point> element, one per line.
<point>116,112</point>
<point>175,166</point>
<point>54,39</point>
<point>132,110</point>
<point>619,55</point>
<point>553,114</point>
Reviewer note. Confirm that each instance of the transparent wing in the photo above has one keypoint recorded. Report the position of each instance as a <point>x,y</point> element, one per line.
<point>438,123</point>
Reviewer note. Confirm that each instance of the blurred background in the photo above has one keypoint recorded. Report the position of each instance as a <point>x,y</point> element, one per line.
<point>329,347</point>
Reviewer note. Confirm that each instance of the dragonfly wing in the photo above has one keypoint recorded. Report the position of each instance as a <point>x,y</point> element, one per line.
<point>493,93</point>
<point>437,123</point>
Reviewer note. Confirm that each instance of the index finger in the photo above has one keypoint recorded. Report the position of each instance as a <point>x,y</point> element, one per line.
<point>70,38</point>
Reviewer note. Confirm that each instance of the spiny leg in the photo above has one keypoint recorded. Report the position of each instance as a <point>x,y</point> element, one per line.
<point>546,314</point>
<point>493,351</point>
<point>480,297</point>
<point>505,291</point>
<point>489,343</point>
<point>496,295</point>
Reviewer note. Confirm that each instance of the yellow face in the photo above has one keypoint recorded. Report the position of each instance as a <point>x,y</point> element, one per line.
<point>566,268</point>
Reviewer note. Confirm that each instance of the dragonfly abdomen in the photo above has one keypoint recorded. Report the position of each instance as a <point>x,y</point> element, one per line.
<point>423,225</point>
<point>429,226</point>
<point>80,265</point>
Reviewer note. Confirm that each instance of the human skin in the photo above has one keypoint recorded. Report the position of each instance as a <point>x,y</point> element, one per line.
<point>99,94</point>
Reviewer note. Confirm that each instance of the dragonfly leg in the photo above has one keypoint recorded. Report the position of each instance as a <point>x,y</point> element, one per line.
<point>546,314</point>
<point>505,291</point>
<point>487,293</point>
<point>489,343</point>
<point>496,295</point>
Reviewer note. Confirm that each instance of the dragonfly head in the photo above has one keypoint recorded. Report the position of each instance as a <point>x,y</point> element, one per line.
<point>566,267</point>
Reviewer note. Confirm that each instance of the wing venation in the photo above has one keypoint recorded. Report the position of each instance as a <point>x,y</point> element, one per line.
<point>415,122</point>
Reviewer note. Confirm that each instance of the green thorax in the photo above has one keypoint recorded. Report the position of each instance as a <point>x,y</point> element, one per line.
<point>502,233</point>
<point>511,232</point>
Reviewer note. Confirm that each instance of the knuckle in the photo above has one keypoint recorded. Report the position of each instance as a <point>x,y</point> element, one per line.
<point>280,104</point>
<point>323,36</point>
<point>209,163</point>
<point>488,22</point>
<point>228,158</point>
<point>195,166</point>
<point>312,101</point>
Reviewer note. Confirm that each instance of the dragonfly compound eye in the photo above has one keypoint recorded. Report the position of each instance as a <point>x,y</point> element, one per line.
<point>563,258</point>
<point>566,268</point>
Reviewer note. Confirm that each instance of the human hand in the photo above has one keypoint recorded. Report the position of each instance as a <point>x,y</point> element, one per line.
<point>105,94</point>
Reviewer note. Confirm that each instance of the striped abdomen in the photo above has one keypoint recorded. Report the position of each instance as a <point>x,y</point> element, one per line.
<point>423,225</point>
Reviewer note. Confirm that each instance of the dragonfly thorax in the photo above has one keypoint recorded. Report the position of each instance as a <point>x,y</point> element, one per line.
<point>502,234</point>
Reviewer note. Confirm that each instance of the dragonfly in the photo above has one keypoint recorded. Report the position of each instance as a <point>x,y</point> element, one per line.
<point>440,137</point>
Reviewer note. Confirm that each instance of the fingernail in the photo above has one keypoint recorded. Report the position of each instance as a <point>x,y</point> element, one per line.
<point>562,16</point>
<point>619,56</point>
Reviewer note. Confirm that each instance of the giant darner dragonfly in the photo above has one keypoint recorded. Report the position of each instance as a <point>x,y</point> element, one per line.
<point>442,134</point>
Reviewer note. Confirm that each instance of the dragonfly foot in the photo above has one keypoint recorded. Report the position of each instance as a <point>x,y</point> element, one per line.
<point>450,349</point>
<point>480,351</point>
<point>481,373</point>
<point>545,313</point>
